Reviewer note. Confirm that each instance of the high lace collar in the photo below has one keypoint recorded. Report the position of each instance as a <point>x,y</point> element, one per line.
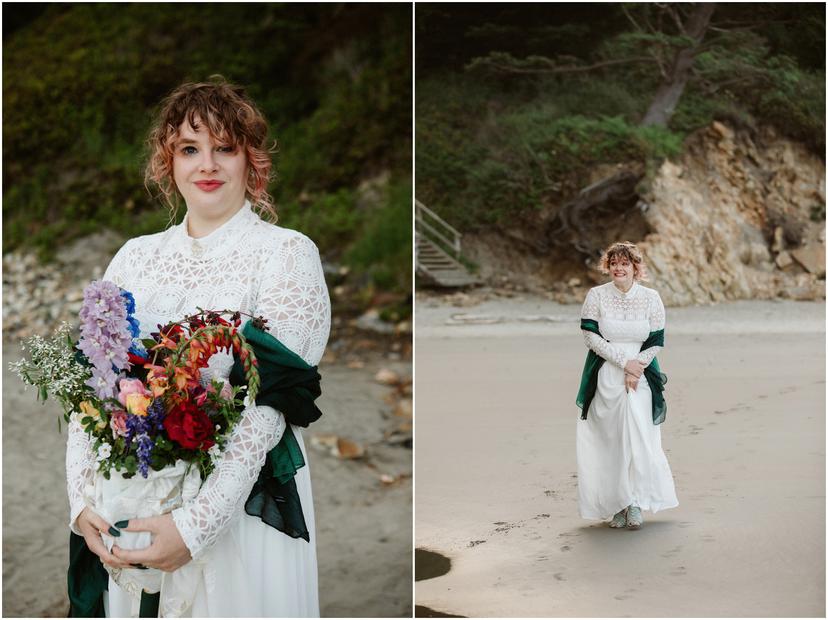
<point>619,293</point>
<point>222,239</point>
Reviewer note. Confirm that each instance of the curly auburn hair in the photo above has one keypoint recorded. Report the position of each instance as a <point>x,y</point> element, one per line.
<point>231,117</point>
<point>624,249</point>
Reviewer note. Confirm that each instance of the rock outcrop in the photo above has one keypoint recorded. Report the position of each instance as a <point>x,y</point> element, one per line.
<point>736,216</point>
<point>734,219</point>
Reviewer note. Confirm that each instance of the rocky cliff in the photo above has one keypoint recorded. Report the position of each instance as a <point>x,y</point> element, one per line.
<point>740,215</point>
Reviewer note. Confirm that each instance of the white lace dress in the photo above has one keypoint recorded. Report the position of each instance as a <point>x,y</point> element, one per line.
<point>247,567</point>
<point>620,459</point>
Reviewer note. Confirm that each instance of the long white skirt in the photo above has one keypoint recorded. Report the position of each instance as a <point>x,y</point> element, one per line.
<point>620,460</point>
<point>253,570</point>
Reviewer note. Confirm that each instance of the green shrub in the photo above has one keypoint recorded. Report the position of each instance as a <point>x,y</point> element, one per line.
<point>81,83</point>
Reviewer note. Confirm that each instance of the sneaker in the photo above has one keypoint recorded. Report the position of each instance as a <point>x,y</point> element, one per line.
<point>634,518</point>
<point>620,519</point>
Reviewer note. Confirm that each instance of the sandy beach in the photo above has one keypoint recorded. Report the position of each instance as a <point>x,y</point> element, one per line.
<point>363,524</point>
<point>496,481</point>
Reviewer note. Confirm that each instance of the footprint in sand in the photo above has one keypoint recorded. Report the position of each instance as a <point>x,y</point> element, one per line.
<point>671,552</point>
<point>566,548</point>
<point>678,571</point>
<point>560,576</point>
<point>474,543</point>
<point>621,597</point>
<point>685,523</point>
<point>503,527</point>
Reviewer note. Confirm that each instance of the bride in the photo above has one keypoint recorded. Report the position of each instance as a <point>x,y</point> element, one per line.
<point>208,147</point>
<point>622,469</point>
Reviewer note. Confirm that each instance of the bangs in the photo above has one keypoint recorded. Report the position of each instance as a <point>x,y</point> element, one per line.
<point>221,126</point>
<point>618,253</point>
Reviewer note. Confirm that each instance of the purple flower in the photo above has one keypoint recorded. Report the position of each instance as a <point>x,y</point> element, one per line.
<point>140,429</point>
<point>155,415</point>
<point>145,446</point>
<point>103,382</point>
<point>106,331</point>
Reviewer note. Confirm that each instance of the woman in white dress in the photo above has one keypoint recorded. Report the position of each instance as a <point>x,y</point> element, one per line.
<point>622,468</point>
<point>209,148</point>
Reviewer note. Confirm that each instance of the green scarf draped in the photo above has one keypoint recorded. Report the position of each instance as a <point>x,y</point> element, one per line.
<point>88,580</point>
<point>289,385</point>
<point>655,378</point>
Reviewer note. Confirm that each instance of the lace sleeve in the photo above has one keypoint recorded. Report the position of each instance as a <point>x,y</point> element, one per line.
<point>657,321</point>
<point>294,300</point>
<point>80,465</point>
<point>592,310</point>
<point>80,462</point>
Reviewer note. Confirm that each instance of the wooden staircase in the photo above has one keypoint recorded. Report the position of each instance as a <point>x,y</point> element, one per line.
<point>438,251</point>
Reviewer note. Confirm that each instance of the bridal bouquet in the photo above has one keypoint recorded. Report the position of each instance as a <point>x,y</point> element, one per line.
<point>157,426</point>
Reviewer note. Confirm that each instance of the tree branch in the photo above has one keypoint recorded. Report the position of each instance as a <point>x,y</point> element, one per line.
<point>674,14</point>
<point>630,17</point>
<point>553,69</point>
<point>662,67</point>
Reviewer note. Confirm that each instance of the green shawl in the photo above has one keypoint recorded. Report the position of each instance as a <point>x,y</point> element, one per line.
<point>289,385</point>
<point>655,378</point>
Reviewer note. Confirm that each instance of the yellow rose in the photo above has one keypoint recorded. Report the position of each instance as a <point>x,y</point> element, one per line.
<point>89,410</point>
<point>137,404</point>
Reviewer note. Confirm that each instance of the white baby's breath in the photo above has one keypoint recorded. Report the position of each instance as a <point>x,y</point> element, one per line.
<point>215,454</point>
<point>52,367</point>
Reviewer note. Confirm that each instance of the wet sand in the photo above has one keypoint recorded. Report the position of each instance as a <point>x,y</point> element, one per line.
<point>496,471</point>
<point>363,525</point>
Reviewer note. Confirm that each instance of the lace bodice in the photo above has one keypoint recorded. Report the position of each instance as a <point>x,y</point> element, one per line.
<point>623,319</point>
<point>248,265</point>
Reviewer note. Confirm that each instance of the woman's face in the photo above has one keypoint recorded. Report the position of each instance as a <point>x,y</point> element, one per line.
<point>622,271</point>
<point>211,176</point>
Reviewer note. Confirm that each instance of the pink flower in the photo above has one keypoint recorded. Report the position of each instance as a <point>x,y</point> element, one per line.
<point>226,391</point>
<point>199,394</point>
<point>118,423</point>
<point>130,386</point>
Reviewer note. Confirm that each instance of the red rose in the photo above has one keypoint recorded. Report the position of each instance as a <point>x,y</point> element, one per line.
<point>189,427</point>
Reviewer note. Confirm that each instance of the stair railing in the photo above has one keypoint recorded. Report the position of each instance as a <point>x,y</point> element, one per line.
<point>431,225</point>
